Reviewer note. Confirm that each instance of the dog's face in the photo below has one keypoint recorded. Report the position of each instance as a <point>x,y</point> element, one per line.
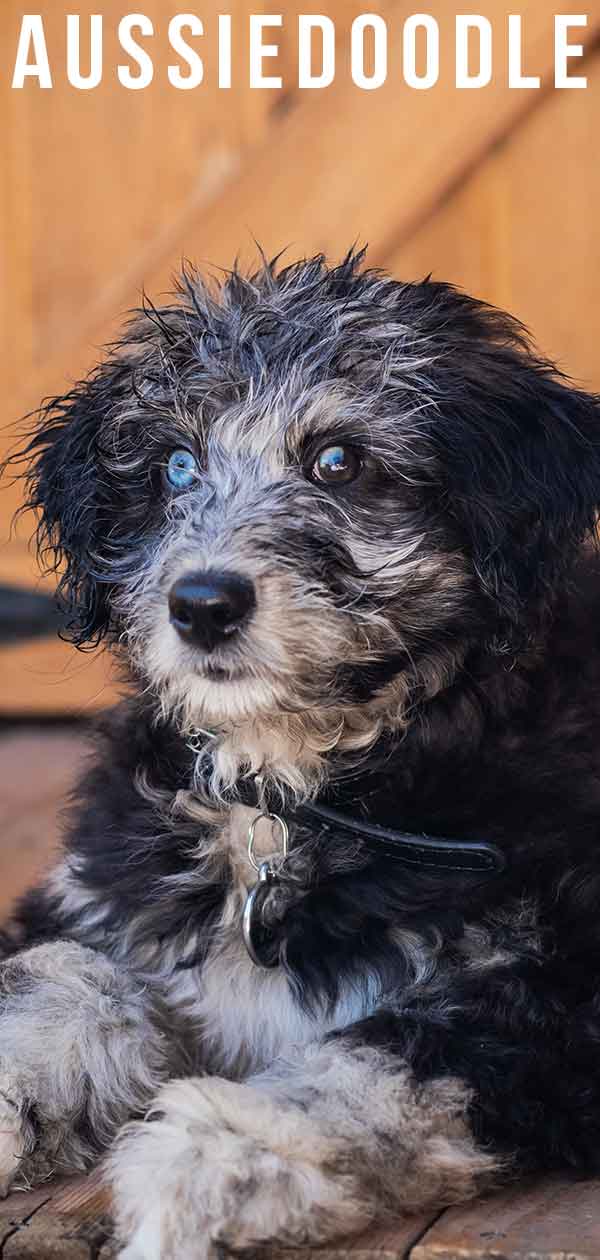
<point>292,559</point>
<point>312,491</point>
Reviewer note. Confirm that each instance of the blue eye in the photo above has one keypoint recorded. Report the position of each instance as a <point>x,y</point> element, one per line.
<point>182,469</point>
<point>336,465</point>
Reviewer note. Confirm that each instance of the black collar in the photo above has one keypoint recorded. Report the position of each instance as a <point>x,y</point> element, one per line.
<point>263,942</point>
<point>478,856</point>
<point>468,856</point>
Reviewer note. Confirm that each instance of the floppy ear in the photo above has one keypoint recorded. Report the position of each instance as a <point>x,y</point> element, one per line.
<point>523,459</point>
<point>62,479</point>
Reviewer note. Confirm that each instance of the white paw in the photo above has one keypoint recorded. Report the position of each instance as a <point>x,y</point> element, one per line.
<point>160,1181</point>
<point>13,1133</point>
<point>145,1245</point>
<point>220,1164</point>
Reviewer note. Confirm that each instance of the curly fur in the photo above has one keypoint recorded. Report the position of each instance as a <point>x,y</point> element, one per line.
<point>422,650</point>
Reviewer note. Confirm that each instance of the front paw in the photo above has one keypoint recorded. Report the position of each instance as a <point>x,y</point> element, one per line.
<point>217,1163</point>
<point>17,1139</point>
<point>81,1049</point>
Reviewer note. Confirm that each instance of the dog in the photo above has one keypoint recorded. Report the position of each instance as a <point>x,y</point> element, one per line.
<point>323,946</point>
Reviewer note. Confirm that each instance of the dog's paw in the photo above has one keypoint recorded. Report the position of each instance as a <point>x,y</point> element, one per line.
<point>217,1163</point>
<point>16,1133</point>
<point>80,1052</point>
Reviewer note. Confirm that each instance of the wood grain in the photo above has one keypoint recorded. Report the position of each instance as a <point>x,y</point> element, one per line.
<point>57,1222</point>
<point>49,676</point>
<point>393,1242</point>
<point>522,232</point>
<point>352,173</point>
<point>551,1220</point>
<point>96,182</point>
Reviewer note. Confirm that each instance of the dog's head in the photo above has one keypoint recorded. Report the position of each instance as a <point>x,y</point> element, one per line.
<point>306,493</point>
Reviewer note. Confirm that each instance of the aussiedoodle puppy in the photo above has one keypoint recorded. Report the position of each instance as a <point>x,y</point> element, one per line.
<point>324,945</point>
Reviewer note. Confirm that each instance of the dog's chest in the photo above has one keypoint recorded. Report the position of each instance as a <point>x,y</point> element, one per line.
<point>248,1015</point>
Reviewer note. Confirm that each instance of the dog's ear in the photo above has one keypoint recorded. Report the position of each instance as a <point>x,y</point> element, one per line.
<point>523,459</point>
<point>61,471</point>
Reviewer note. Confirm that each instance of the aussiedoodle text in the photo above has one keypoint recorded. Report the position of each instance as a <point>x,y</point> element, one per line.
<point>371,51</point>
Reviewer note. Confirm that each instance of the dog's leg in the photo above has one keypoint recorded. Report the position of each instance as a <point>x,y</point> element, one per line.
<point>303,1153</point>
<point>81,1051</point>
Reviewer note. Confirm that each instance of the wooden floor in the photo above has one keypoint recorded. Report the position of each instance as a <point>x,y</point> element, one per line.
<point>38,765</point>
<point>549,1220</point>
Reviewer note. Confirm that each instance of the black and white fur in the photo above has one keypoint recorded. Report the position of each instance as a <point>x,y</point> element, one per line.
<point>423,647</point>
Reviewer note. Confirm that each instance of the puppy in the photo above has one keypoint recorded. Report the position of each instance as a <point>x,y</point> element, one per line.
<point>324,946</point>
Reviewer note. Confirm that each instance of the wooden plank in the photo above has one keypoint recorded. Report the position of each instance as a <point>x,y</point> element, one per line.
<point>97,186</point>
<point>393,1242</point>
<point>49,676</point>
<point>549,1220</point>
<point>522,232</point>
<point>82,171</point>
<point>37,772</point>
<point>68,1222</point>
<point>353,169</point>
<point>383,182</point>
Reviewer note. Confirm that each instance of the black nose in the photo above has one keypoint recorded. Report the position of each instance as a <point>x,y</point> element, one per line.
<point>207,608</point>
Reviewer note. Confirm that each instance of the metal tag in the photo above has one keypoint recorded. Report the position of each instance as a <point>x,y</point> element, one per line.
<point>259,940</point>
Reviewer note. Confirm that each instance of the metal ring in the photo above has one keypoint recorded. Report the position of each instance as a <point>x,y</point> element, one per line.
<point>285,835</point>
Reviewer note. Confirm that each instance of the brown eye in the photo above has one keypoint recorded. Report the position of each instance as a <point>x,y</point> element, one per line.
<point>336,465</point>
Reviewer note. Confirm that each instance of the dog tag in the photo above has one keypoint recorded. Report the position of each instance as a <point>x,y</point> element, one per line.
<point>259,940</point>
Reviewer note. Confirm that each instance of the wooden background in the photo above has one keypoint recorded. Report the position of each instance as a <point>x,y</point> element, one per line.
<point>103,192</point>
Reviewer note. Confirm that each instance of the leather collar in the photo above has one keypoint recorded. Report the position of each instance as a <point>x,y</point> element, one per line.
<point>439,852</point>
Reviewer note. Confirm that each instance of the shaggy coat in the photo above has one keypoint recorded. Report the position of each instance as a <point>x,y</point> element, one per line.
<point>409,495</point>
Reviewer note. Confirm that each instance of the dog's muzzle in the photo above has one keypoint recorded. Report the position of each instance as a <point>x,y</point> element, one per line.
<point>208,608</point>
